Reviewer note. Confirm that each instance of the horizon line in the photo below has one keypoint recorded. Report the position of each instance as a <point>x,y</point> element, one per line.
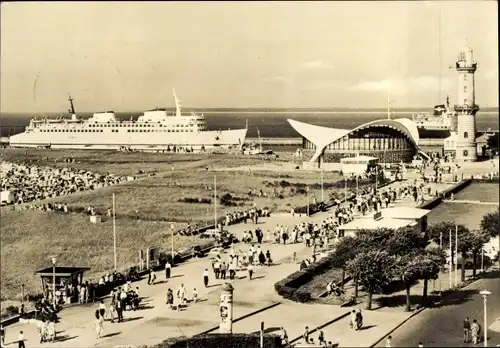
<point>253,108</point>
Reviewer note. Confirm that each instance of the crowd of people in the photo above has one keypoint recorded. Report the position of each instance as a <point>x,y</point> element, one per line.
<point>27,182</point>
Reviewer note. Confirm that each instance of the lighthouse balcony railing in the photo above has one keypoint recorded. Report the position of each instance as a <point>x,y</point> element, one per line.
<point>466,108</point>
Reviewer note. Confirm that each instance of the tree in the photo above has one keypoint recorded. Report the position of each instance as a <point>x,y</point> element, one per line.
<point>345,251</point>
<point>441,231</point>
<point>490,224</point>
<point>465,240</point>
<point>404,241</point>
<point>409,269</point>
<point>436,258</point>
<point>374,269</point>
<point>479,239</point>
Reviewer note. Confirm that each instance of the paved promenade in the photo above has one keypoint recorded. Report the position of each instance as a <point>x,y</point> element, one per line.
<point>156,322</point>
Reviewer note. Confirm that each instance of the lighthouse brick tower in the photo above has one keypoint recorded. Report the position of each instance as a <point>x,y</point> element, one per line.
<point>466,108</point>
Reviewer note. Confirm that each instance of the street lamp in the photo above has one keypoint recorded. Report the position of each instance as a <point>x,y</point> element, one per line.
<point>172,226</point>
<point>54,261</point>
<point>485,294</point>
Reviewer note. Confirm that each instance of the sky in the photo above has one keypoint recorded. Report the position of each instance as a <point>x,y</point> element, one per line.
<point>127,56</point>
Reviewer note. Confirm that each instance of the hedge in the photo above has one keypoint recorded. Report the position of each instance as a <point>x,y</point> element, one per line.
<point>289,286</point>
<point>313,208</point>
<point>218,340</point>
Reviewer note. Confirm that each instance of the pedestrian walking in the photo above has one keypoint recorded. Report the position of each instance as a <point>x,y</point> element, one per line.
<point>250,271</point>
<point>359,319</point>
<point>119,309</point>
<point>305,335</point>
<point>170,298</point>
<point>205,277</point>
<point>98,324</point>
<point>474,328</point>
<point>2,335</point>
<point>102,309</point>
<point>21,340</point>
<point>321,337</point>
<point>388,342</point>
<point>168,270</point>
<point>352,322</point>
<point>466,330</point>
<point>420,345</point>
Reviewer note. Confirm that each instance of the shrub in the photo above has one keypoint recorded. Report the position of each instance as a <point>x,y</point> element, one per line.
<point>313,208</point>
<point>195,200</point>
<point>222,341</point>
<point>289,286</point>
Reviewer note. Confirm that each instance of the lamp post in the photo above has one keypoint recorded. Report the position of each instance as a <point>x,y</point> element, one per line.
<point>322,194</point>
<point>54,261</point>
<point>485,294</point>
<point>172,229</point>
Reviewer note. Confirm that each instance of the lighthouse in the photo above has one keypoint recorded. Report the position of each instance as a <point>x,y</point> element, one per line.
<point>466,108</point>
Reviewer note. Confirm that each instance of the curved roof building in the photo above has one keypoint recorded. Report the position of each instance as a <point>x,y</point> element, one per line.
<point>390,140</point>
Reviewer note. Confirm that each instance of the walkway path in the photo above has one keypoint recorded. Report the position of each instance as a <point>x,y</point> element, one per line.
<point>156,322</point>
<point>469,202</point>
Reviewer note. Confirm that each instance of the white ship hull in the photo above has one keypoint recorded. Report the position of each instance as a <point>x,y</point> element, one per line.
<point>136,141</point>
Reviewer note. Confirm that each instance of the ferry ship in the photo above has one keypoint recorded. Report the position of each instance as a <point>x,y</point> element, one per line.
<point>444,118</point>
<point>154,130</point>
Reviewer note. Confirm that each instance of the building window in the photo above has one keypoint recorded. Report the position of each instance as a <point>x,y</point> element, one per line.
<point>461,56</point>
<point>465,153</point>
<point>466,135</point>
<point>465,89</point>
<point>465,77</point>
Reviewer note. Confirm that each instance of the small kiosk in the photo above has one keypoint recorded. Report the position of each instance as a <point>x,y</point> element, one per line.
<point>66,280</point>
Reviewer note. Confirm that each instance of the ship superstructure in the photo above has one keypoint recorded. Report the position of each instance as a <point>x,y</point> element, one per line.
<point>444,118</point>
<point>153,130</point>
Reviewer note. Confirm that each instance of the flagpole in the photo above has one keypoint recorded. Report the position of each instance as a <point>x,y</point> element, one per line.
<point>451,264</point>
<point>357,186</point>
<point>322,194</point>
<point>456,256</point>
<point>114,231</point>
<point>345,190</point>
<point>440,247</point>
<point>215,201</point>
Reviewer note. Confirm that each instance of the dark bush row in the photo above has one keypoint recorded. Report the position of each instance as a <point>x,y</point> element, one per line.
<point>217,340</point>
<point>487,180</point>
<point>229,201</point>
<point>195,200</point>
<point>289,287</point>
<point>313,208</point>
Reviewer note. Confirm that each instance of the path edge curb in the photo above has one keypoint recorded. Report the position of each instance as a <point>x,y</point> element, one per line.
<point>418,311</point>
<point>342,316</point>
<point>422,309</point>
<point>260,310</point>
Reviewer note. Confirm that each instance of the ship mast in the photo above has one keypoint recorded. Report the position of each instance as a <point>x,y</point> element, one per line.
<point>177,105</point>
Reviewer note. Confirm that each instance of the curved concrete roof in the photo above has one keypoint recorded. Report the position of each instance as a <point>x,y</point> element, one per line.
<point>404,125</point>
<point>324,136</point>
<point>319,135</point>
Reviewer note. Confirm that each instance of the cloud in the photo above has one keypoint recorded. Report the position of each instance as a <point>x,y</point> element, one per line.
<point>317,64</point>
<point>403,86</point>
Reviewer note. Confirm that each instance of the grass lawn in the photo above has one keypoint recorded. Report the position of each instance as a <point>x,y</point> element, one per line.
<point>467,214</point>
<point>29,239</point>
<point>318,284</point>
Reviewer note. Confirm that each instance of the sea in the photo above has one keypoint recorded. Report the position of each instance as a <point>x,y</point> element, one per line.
<point>270,123</point>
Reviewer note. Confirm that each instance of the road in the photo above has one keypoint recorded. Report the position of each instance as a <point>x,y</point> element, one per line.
<point>442,327</point>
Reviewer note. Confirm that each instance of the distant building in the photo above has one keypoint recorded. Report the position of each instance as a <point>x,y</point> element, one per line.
<point>450,132</point>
